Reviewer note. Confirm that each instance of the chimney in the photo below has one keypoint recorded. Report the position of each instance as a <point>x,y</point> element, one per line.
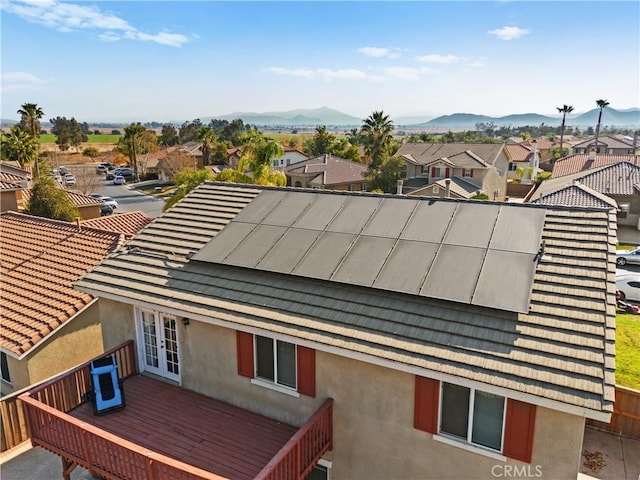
<point>399,186</point>
<point>447,188</point>
<point>592,154</point>
<point>535,160</point>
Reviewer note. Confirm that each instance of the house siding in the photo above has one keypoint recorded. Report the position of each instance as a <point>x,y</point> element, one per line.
<point>374,434</point>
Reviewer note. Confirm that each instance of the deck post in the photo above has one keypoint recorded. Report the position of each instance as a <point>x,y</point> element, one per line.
<point>68,466</point>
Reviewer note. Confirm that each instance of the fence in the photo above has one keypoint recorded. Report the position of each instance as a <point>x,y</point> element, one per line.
<point>625,419</point>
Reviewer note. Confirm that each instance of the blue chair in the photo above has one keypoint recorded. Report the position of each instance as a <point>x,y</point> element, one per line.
<point>107,388</point>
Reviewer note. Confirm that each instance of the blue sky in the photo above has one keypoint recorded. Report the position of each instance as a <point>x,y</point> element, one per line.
<point>176,61</point>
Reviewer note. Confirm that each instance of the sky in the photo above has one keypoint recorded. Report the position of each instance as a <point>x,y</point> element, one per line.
<point>116,61</point>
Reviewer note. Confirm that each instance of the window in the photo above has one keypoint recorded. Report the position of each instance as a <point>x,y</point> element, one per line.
<point>276,361</point>
<point>5,367</point>
<point>513,166</point>
<point>472,415</point>
<point>437,172</point>
<point>319,472</point>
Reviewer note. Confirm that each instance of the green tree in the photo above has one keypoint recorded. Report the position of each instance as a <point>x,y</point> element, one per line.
<point>186,180</point>
<point>563,110</point>
<point>19,146</point>
<point>386,176</point>
<point>189,131</point>
<point>354,136</point>
<point>31,114</point>
<point>321,142</point>
<point>91,152</point>
<point>136,140</point>
<point>68,133</point>
<point>377,137</point>
<point>168,135</point>
<point>601,105</point>
<point>257,155</point>
<point>208,139</point>
<point>50,201</point>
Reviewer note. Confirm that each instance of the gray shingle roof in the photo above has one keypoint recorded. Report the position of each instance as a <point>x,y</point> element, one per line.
<point>426,153</point>
<point>577,195</point>
<point>609,141</point>
<point>458,186</point>
<point>580,162</point>
<point>619,178</point>
<point>562,350</point>
<point>327,170</point>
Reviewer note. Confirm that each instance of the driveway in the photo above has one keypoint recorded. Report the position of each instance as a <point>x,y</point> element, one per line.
<point>131,200</point>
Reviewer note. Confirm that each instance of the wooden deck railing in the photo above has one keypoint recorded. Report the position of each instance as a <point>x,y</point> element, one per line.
<point>299,455</point>
<point>63,392</point>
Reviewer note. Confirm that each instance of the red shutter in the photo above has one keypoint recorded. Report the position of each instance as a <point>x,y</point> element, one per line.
<point>464,171</point>
<point>433,172</point>
<point>425,408</point>
<point>518,430</point>
<point>446,173</point>
<point>244,342</point>
<point>306,371</point>
<point>471,173</point>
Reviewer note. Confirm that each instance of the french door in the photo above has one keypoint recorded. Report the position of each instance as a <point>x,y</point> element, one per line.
<point>158,344</point>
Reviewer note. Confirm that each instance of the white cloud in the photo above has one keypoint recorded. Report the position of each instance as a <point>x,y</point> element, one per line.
<point>509,33</point>
<point>20,81</point>
<point>379,52</point>
<point>407,73</point>
<point>479,62</point>
<point>441,59</point>
<point>323,73</point>
<point>69,17</point>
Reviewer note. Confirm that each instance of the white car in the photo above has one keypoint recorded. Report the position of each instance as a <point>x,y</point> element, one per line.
<point>110,201</point>
<point>629,286</point>
<point>119,180</point>
<point>69,179</point>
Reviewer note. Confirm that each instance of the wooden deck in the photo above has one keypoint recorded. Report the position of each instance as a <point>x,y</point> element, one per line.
<point>192,428</point>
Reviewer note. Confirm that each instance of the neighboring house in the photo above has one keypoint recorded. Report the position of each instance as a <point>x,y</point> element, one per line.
<point>233,156</point>
<point>13,172</point>
<point>87,206</point>
<point>47,326</point>
<point>291,156</point>
<point>452,336</point>
<point>581,162</point>
<point>577,195</point>
<point>193,149</point>
<point>522,158</point>
<point>11,194</point>
<point>619,182</point>
<point>127,223</point>
<point>327,172</point>
<point>606,144</point>
<point>454,187</point>
<point>484,165</point>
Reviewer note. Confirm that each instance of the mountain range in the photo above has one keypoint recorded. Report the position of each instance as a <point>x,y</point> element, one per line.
<point>330,117</point>
<point>624,118</point>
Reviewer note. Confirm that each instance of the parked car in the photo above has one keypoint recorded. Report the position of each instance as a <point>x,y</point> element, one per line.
<point>110,175</point>
<point>105,209</point>
<point>629,287</point>
<point>62,170</point>
<point>628,256</point>
<point>119,180</point>
<point>101,169</point>
<point>110,201</point>
<point>96,195</point>
<point>69,179</point>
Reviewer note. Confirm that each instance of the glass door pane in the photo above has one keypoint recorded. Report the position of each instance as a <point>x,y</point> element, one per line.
<point>150,340</point>
<point>172,362</point>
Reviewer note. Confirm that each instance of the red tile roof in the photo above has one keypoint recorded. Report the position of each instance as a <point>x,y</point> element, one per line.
<point>128,223</point>
<point>518,152</point>
<point>77,199</point>
<point>580,162</point>
<point>39,261</point>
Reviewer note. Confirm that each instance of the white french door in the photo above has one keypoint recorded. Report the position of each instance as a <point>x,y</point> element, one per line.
<point>158,344</point>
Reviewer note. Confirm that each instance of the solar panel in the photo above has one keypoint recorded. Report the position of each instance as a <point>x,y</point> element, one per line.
<point>471,252</point>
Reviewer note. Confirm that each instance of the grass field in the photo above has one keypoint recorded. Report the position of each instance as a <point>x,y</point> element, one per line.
<point>48,138</point>
<point>628,350</point>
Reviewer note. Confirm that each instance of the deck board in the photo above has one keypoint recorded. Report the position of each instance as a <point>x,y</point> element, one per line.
<point>193,428</point>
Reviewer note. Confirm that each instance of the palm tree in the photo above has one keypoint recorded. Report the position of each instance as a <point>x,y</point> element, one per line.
<point>31,114</point>
<point>377,136</point>
<point>601,104</point>
<point>208,138</point>
<point>563,110</point>
<point>19,146</point>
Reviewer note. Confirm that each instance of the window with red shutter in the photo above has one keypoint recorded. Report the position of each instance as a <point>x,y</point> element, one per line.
<point>433,172</point>
<point>306,371</point>
<point>244,344</point>
<point>446,172</point>
<point>425,405</point>
<point>518,431</point>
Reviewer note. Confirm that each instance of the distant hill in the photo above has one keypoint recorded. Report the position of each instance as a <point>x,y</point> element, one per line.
<point>300,117</point>
<point>6,123</point>
<point>610,117</point>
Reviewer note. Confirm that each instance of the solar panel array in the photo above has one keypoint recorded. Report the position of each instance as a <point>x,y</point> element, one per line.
<point>477,253</point>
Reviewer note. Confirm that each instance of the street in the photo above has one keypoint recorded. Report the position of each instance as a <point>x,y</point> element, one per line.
<point>131,200</point>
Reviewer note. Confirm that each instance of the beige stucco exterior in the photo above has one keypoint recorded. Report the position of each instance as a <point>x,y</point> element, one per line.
<point>374,435</point>
<point>77,341</point>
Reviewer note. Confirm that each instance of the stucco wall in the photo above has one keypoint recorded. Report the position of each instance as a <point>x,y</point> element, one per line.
<point>19,373</point>
<point>118,325</point>
<point>75,343</point>
<point>373,416</point>
<point>9,201</point>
